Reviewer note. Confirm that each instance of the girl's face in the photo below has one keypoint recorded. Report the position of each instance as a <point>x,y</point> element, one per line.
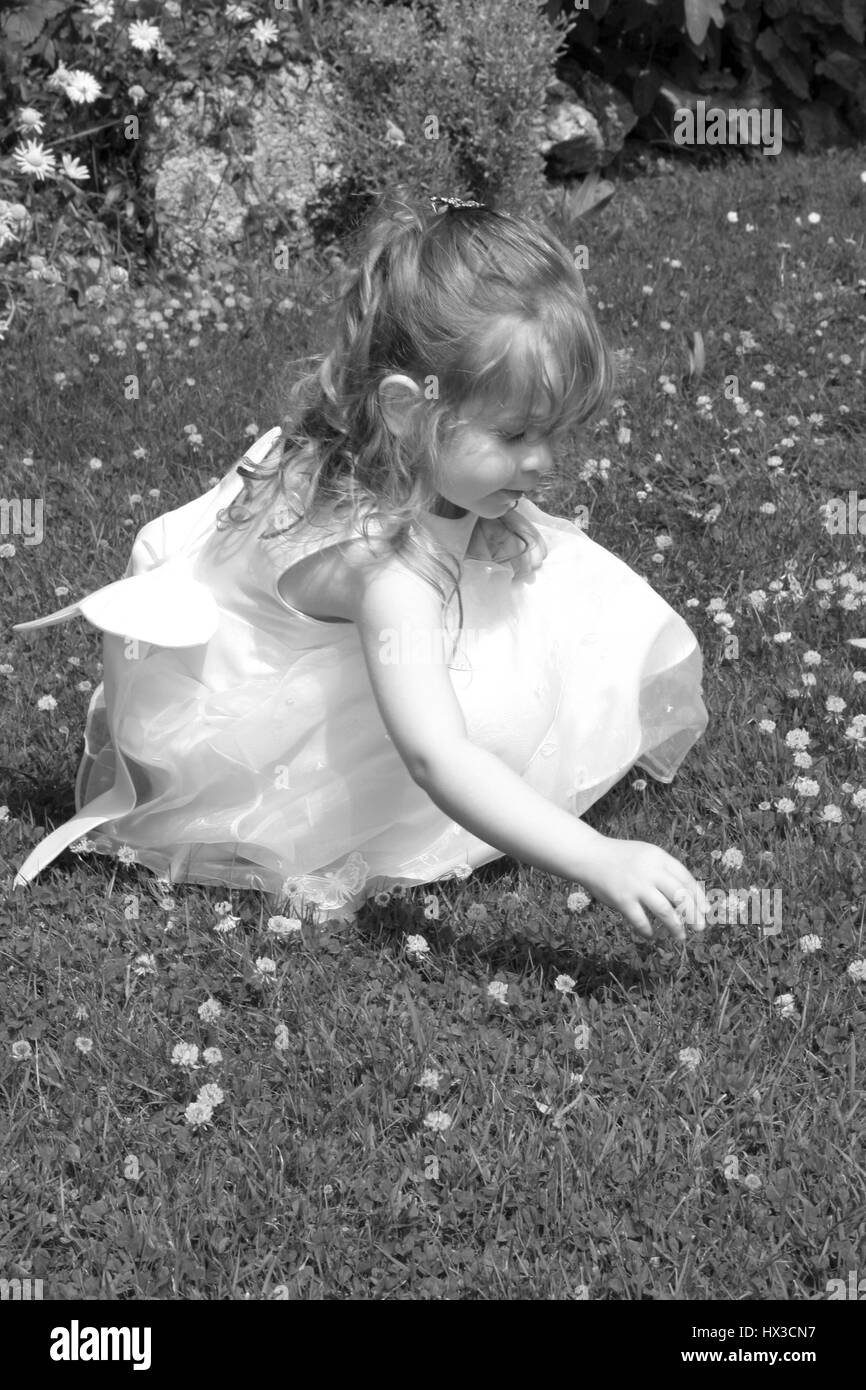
<point>490,462</point>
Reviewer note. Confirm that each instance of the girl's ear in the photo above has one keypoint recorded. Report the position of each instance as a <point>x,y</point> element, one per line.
<point>397,397</point>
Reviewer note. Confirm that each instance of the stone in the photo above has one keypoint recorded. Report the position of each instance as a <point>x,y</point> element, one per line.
<point>586,123</point>
<point>241,159</point>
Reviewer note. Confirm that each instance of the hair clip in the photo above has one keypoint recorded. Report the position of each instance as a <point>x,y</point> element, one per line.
<point>454,203</point>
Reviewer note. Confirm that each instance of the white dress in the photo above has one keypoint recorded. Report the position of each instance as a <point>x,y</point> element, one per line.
<point>234,741</point>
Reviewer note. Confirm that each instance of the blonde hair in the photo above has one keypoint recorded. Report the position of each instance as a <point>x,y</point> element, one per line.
<point>467,302</point>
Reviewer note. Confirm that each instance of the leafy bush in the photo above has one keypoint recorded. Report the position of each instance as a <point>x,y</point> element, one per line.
<point>444,97</point>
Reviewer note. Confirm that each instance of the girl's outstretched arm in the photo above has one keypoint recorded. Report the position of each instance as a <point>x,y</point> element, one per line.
<point>398,616</point>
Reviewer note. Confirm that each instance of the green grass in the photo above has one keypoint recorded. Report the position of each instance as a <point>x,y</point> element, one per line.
<point>609,1170</point>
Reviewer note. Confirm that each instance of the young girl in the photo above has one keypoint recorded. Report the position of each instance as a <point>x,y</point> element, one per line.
<point>381,663</point>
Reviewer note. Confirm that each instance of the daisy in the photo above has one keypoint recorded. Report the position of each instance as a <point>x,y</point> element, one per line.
<point>35,160</point>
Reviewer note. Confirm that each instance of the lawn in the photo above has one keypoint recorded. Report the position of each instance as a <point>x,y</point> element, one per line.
<point>615,1120</point>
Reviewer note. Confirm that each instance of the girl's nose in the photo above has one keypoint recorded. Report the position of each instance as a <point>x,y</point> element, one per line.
<point>539,459</point>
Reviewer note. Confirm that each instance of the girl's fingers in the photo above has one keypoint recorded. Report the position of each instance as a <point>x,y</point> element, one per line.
<point>639,922</point>
<point>689,902</point>
<point>655,900</point>
<point>686,881</point>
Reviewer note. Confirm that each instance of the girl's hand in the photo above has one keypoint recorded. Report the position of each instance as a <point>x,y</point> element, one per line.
<point>634,878</point>
<point>499,535</point>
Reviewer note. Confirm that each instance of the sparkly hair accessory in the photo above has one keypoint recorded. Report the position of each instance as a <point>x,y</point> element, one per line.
<point>454,203</point>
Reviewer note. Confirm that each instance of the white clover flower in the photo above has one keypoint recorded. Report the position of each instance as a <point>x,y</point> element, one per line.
<point>758,599</point>
<point>831,815</point>
<point>857,970</point>
<point>564,983</point>
<point>859,799</point>
<point>690,1057</point>
<point>497,990</point>
<point>84,1044</point>
<point>802,760</point>
<point>732,859</point>
<point>767,726</point>
<point>798,738</point>
<point>438,1120</point>
<point>639,785</point>
<point>212,1056</point>
<point>185,1055</point>
<point>856,730</point>
<point>198,1114</point>
<point>577,901</point>
<point>781,637</point>
<point>477,912</point>
<point>806,786</point>
<point>284,926</point>
<point>21,1050</point>
<point>430,1079</point>
<point>785,1006</point>
<point>811,658</point>
<point>145,964</point>
<point>266,968</point>
<point>785,805</point>
<point>209,1010</point>
<point>834,704</point>
<point>211,1094</point>
<point>417,946</point>
<point>752,1182</point>
<point>809,944</point>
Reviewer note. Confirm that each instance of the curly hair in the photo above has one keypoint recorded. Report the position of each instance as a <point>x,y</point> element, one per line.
<point>473,305</point>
